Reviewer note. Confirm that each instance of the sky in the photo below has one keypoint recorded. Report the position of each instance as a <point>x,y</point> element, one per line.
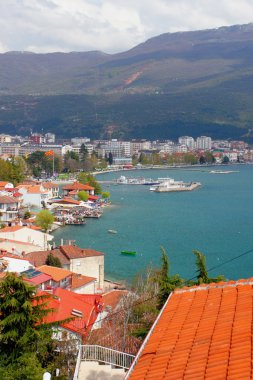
<point>111,26</point>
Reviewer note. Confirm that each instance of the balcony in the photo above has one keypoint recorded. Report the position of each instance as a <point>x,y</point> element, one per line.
<point>89,358</point>
<point>11,209</point>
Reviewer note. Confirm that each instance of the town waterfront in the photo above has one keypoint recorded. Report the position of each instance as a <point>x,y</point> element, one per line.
<point>216,219</point>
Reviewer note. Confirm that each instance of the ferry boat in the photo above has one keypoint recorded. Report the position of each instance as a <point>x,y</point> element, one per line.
<point>169,184</point>
<point>122,180</point>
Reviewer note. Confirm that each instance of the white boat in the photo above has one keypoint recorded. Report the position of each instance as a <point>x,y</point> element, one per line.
<point>135,181</point>
<point>112,231</point>
<point>169,184</point>
<point>223,171</point>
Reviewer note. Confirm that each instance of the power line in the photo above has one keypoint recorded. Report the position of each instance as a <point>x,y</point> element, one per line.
<point>153,297</point>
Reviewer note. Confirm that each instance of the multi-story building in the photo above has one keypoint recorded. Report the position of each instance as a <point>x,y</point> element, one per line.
<point>5,138</point>
<point>204,143</point>
<point>138,145</point>
<point>116,148</point>
<point>188,141</point>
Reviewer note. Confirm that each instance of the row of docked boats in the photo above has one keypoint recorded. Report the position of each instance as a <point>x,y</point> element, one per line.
<point>160,185</point>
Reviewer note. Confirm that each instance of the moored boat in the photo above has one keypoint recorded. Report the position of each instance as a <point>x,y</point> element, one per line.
<point>112,231</point>
<point>129,253</point>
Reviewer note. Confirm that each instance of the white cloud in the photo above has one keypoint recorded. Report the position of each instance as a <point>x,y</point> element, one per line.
<point>108,25</point>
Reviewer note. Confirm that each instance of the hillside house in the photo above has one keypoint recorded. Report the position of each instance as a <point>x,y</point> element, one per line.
<point>83,309</point>
<point>27,235</point>
<point>9,208</point>
<point>86,262</point>
<point>75,187</point>
<point>65,279</point>
<point>34,195</point>
<point>53,188</point>
<point>13,263</point>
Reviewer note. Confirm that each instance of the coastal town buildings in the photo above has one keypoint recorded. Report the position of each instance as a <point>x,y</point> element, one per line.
<point>27,234</point>
<point>9,208</point>
<point>86,262</point>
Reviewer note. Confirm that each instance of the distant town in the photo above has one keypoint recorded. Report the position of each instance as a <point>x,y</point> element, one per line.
<point>119,152</point>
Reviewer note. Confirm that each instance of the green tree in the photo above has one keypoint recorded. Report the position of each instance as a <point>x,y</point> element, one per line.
<point>83,153</point>
<point>167,283</point>
<point>225,160</point>
<point>44,219</point>
<point>53,261</point>
<point>210,159</point>
<point>83,196</point>
<point>22,313</point>
<point>110,158</point>
<point>105,194</point>
<point>82,178</point>
<point>202,272</point>
<point>91,180</point>
<point>27,214</point>
<point>202,160</point>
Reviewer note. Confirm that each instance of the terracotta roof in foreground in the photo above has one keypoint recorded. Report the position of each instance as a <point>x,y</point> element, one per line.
<point>203,332</point>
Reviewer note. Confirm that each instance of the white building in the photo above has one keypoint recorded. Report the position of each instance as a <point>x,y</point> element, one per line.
<point>26,235</point>
<point>204,143</point>
<point>9,208</point>
<point>138,145</point>
<point>34,195</point>
<point>188,141</point>
<point>12,263</point>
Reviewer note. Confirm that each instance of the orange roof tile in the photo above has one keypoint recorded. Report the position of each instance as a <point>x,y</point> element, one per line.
<point>6,199</point>
<point>57,274</point>
<point>113,297</point>
<point>77,186</point>
<point>11,229</point>
<point>63,302</point>
<point>203,332</point>
<point>50,185</point>
<point>79,280</point>
<point>66,200</point>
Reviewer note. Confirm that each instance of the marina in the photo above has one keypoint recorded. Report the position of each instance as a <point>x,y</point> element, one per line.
<point>217,220</point>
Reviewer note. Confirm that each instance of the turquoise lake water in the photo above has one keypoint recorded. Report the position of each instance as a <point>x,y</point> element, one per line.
<point>216,219</point>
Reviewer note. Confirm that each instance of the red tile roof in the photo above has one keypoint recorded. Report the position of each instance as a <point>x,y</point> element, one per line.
<point>50,185</point>
<point>203,332</point>
<point>74,252</point>
<point>64,301</point>
<point>113,298</point>
<point>64,253</point>
<point>5,199</point>
<point>79,280</point>
<point>66,201</point>
<point>37,280</point>
<point>38,258</point>
<point>77,186</point>
<point>57,274</point>
<point>11,229</point>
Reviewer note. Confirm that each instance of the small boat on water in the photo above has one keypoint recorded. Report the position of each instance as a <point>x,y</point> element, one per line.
<point>112,231</point>
<point>129,253</point>
<point>223,171</point>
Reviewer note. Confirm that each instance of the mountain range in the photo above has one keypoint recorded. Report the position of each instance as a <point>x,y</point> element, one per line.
<point>185,83</point>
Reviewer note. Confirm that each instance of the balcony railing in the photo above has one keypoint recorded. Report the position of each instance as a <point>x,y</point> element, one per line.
<point>103,355</point>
